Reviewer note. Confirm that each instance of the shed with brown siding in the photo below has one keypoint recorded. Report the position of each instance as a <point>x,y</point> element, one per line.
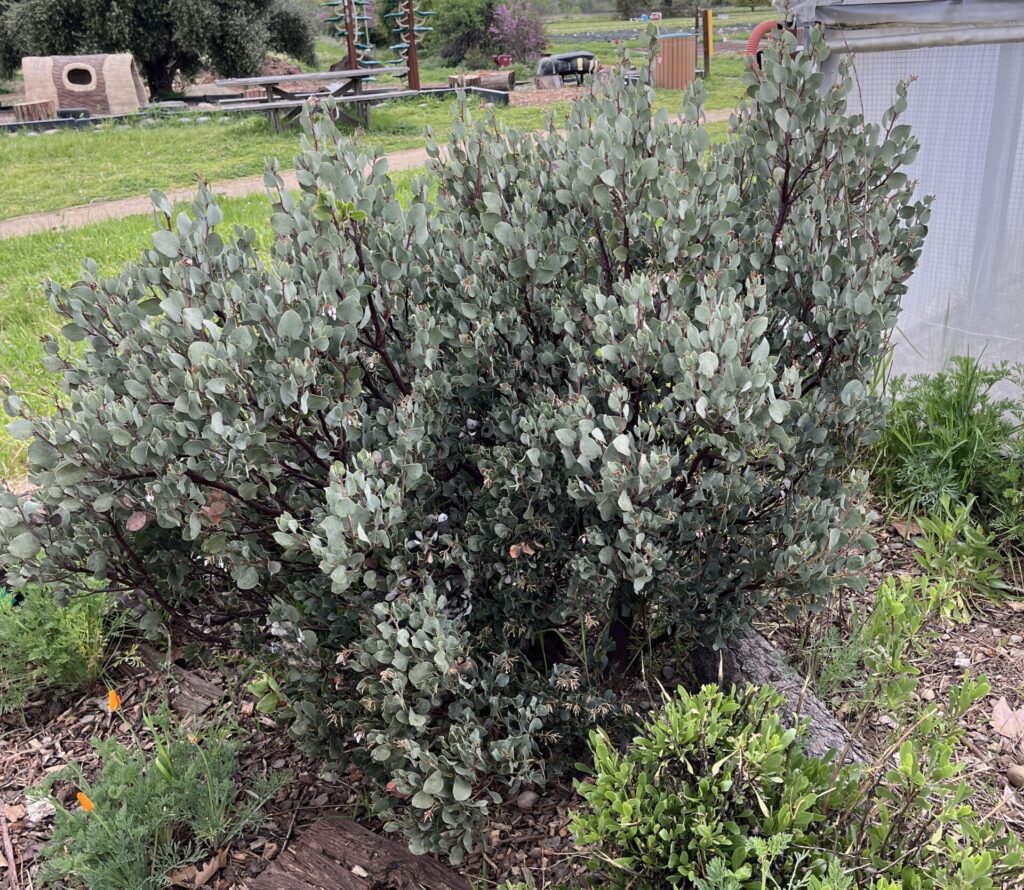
<point>101,84</point>
<point>676,65</point>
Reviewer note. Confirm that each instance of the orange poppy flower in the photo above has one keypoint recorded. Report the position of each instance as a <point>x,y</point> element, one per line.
<point>113,701</point>
<point>84,802</point>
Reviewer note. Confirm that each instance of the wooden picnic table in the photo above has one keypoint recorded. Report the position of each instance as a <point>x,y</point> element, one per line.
<point>346,85</point>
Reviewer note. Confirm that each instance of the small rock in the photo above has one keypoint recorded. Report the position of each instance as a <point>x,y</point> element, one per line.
<point>1015,775</point>
<point>961,660</point>
<point>1016,639</point>
<point>668,672</point>
<point>39,810</point>
<point>148,122</point>
<point>202,119</point>
<point>527,801</point>
<point>928,694</point>
<point>51,131</point>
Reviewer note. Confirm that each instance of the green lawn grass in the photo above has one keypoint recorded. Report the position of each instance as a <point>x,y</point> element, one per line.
<point>49,172</point>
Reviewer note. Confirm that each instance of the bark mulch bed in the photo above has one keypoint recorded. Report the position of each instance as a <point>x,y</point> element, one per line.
<point>528,838</point>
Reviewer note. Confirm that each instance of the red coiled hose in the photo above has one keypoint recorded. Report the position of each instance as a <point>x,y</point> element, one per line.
<point>757,34</point>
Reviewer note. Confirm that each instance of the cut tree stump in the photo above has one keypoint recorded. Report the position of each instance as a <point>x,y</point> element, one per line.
<point>35,111</point>
<point>336,854</point>
<point>505,81</point>
<point>749,657</point>
<point>194,695</point>
<point>457,81</point>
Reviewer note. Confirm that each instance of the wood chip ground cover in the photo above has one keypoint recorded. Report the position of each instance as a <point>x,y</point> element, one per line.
<point>528,838</point>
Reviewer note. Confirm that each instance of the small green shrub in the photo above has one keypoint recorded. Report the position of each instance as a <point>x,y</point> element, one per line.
<point>715,793</point>
<point>151,814</point>
<point>708,774</point>
<point>951,439</point>
<point>872,656</point>
<point>953,548</point>
<point>51,646</point>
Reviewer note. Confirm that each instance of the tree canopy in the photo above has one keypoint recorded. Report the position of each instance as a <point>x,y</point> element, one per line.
<point>167,37</point>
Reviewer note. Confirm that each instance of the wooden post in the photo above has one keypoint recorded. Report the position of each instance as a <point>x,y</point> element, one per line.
<point>706,32</point>
<point>350,34</point>
<point>412,58</point>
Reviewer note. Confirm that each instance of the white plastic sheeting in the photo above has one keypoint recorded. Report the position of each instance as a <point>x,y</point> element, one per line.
<point>911,12</point>
<point>966,106</point>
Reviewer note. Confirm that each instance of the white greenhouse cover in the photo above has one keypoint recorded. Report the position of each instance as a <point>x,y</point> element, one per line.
<point>906,12</point>
<point>966,107</point>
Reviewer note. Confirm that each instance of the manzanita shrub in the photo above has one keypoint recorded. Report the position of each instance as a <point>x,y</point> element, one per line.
<point>598,387</point>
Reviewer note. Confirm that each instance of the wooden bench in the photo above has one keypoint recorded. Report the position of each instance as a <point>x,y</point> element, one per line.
<point>287,111</point>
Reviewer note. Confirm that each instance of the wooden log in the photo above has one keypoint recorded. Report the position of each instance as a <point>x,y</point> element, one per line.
<point>496,80</point>
<point>339,854</point>
<point>457,81</point>
<point>44,110</point>
<point>749,657</point>
<point>193,694</point>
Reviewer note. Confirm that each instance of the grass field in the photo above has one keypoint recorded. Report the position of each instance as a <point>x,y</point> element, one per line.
<point>78,166</point>
<point>726,21</point>
<point>71,167</point>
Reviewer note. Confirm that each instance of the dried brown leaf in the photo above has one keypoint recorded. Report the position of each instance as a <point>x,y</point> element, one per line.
<point>1008,722</point>
<point>906,530</point>
<point>193,877</point>
<point>137,521</point>
<point>14,812</point>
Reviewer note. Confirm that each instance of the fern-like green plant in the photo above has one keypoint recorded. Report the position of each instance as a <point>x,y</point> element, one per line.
<point>146,815</point>
<point>52,646</point>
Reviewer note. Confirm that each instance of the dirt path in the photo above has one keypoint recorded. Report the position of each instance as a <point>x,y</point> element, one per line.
<point>100,211</point>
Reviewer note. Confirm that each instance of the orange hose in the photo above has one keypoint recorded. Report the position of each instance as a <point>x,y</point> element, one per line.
<point>755,37</point>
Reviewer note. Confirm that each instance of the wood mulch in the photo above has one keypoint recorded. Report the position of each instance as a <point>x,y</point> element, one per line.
<point>991,644</point>
<point>528,839</point>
